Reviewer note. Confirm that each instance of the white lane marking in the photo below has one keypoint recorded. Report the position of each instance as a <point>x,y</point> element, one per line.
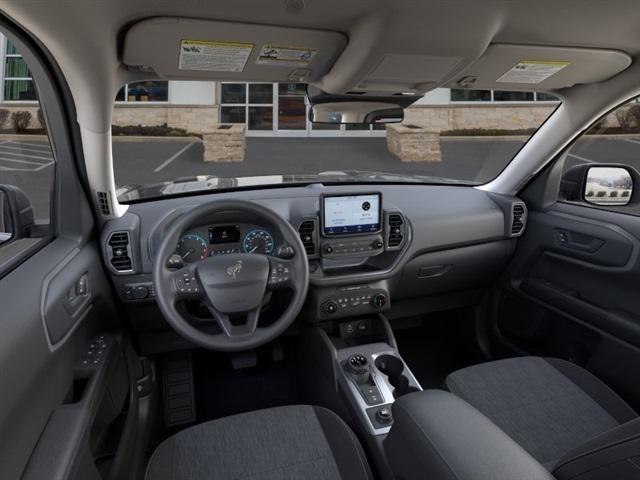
<point>31,144</point>
<point>43,166</point>
<point>25,155</point>
<point>4,159</point>
<point>631,140</point>
<point>584,159</point>
<point>14,169</point>
<point>172,158</point>
<point>20,149</point>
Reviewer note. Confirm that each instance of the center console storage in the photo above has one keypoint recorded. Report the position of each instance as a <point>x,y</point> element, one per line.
<point>438,435</point>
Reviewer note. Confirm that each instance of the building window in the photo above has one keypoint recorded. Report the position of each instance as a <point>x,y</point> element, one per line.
<point>18,84</point>
<point>150,91</point>
<point>506,96</point>
<point>250,103</point>
<point>465,95</point>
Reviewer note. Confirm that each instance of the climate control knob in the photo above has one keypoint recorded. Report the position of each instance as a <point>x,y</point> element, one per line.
<point>378,244</point>
<point>379,300</point>
<point>330,307</point>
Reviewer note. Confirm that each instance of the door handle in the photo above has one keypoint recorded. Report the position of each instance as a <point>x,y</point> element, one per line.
<point>77,295</point>
<point>578,241</point>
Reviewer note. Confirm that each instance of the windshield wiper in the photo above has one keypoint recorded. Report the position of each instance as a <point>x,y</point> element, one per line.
<point>376,176</point>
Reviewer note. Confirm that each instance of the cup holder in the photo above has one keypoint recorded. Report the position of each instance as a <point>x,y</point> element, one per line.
<point>393,367</point>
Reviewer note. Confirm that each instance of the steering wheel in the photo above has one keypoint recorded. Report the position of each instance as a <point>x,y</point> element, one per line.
<point>233,287</point>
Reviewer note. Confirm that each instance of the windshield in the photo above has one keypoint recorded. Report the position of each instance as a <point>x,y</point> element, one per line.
<point>177,137</point>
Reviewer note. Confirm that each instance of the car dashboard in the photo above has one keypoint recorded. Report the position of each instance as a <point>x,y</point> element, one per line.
<point>425,248</point>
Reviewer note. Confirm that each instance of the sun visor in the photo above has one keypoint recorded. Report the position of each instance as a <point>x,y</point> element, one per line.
<point>525,67</point>
<point>179,48</point>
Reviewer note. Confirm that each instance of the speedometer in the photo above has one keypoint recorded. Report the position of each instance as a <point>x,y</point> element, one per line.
<point>258,241</point>
<point>192,247</point>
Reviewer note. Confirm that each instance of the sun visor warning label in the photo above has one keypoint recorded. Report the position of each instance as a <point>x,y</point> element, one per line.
<point>285,56</point>
<point>532,71</point>
<point>214,56</point>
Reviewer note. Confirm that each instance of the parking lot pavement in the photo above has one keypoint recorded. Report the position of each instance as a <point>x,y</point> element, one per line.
<point>29,163</point>
<point>148,162</point>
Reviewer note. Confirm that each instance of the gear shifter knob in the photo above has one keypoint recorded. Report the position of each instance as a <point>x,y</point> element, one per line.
<point>358,366</point>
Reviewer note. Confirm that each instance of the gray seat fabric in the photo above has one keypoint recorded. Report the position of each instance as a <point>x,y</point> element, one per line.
<point>548,406</point>
<point>284,443</point>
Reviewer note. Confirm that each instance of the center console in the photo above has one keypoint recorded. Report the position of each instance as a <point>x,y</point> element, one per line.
<point>373,376</point>
<point>353,247</point>
<point>366,375</point>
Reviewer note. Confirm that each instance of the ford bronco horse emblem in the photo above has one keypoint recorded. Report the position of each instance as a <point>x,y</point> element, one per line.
<point>234,269</point>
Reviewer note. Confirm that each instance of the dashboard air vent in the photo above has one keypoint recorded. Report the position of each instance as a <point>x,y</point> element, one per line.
<point>119,251</point>
<point>396,229</point>
<point>307,235</point>
<point>518,219</point>
<point>103,203</point>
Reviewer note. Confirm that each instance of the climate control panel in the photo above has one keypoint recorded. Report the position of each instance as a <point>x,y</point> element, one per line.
<point>366,246</point>
<point>353,301</point>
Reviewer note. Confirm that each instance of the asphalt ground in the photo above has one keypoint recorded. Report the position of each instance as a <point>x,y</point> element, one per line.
<point>137,163</point>
<point>29,164</point>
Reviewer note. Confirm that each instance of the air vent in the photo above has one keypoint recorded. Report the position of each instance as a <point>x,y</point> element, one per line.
<point>518,219</point>
<point>119,251</point>
<point>307,231</point>
<point>103,203</point>
<point>396,230</point>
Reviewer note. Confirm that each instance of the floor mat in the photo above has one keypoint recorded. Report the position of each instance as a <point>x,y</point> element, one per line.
<point>443,343</point>
<point>222,391</point>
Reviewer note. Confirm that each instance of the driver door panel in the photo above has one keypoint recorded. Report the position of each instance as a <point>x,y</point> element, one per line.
<point>44,340</point>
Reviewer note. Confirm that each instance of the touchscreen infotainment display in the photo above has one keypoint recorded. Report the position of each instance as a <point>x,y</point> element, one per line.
<point>349,214</point>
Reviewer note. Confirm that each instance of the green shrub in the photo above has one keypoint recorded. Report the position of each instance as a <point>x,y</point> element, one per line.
<point>21,121</point>
<point>633,114</point>
<point>41,118</point>
<point>623,118</point>
<point>601,193</point>
<point>151,131</point>
<point>589,193</point>
<point>486,132</point>
<point>613,193</point>
<point>625,193</point>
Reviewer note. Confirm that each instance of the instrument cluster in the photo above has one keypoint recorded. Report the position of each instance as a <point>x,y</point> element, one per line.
<point>209,241</point>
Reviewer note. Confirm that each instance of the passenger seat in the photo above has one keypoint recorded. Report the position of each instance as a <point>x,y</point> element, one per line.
<point>562,415</point>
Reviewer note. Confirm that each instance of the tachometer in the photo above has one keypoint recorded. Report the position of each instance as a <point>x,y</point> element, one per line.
<point>192,247</point>
<point>258,241</point>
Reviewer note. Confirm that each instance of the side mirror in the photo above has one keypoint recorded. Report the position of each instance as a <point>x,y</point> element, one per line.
<point>608,186</point>
<point>603,185</point>
<point>16,214</point>
<point>356,109</point>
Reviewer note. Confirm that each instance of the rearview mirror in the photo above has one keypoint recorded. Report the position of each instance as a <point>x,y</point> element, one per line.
<point>357,109</point>
<point>608,186</point>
